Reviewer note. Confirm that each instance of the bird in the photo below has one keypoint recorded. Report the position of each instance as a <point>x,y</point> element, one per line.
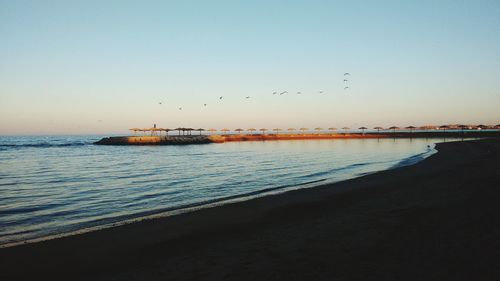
<point>180,108</point>
<point>274,93</point>
<point>204,104</point>
<point>220,97</point>
<point>347,73</point>
<point>298,93</point>
<point>345,88</point>
<point>247,97</point>
<point>345,80</point>
<point>282,93</point>
<point>320,92</point>
<point>160,102</point>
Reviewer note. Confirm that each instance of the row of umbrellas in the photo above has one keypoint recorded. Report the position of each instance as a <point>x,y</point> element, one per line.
<point>188,131</point>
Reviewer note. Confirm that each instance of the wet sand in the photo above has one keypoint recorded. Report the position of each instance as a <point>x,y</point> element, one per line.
<point>436,220</point>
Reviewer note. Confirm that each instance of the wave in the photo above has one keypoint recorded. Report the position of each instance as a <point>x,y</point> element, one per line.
<point>415,158</point>
<point>42,145</point>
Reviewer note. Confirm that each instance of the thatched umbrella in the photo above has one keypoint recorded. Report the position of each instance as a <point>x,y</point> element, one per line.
<point>318,129</point>
<point>303,130</point>
<point>332,129</point>
<point>482,127</point>
<point>462,127</point>
<point>179,129</point>
<point>239,130</point>
<point>393,128</point>
<point>362,129</point>
<point>225,130</point>
<point>291,129</point>
<point>411,128</point>
<point>263,130</point>
<point>444,127</point>
<point>345,130</point>
<point>378,128</point>
<point>251,130</point>
<point>200,130</point>
<point>212,130</point>
<point>276,130</point>
<point>135,130</point>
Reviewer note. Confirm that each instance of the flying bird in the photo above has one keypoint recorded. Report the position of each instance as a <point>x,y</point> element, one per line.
<point>274,93</point>
<point>247,97</point>
<point>282,93</point>
<point>320,92</point>
<point>298,93</point>
<point>204,104</point>
<point>347,73</point>
<point>345,88</point>
<point>220,97</point>
<point>345,80</point>
<point>159,102</point>
<point>180,108</point>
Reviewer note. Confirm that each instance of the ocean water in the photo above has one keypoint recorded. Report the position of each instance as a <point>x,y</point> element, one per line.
<point>57,184</point>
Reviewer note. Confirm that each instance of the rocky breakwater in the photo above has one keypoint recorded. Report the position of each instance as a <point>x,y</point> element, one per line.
<point>157,140</point>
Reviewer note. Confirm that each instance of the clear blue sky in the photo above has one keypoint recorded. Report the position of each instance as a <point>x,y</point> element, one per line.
<point>71,67</point>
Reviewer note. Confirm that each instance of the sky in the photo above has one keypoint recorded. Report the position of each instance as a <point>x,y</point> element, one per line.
<point>99,67</point>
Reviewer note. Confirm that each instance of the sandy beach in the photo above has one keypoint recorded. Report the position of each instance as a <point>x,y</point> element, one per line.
<point>435,220</point>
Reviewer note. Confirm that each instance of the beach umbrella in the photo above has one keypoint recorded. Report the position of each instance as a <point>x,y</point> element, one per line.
<point>225,130</point>
<point>291,129</point>
<point>481,127</point>
<point>411,128</point>
<point>303,130</point>
<point>444,127</point>
<point>135,130</point>
<point>189,130</point>
<point>179,129</point>
<point>200,130</point>
<point>239,130</point>
<point>394,128</point>
<point>462,127</point>
<point>276,130</point>
<point>318,129</point>
<point>251,130</point>
<point>332,129</point>
<point>362,129</point>
<point>345,130</point>
<point>378,128</point>
<point>263,130</point>
<point>212,130</point>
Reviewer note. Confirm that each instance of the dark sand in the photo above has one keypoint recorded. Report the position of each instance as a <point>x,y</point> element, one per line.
<point>436,220</point>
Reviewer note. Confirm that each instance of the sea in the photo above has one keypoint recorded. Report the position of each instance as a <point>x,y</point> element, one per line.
<point>53,185</point>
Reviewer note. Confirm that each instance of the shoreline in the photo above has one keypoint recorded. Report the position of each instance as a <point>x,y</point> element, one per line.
<point>197,206</point>
<point>287,231</point>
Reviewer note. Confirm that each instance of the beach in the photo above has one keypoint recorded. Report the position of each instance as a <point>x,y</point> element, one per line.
<point>435,220</point>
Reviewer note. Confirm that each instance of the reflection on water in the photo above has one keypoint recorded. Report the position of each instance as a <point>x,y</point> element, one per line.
<point>54,184</point>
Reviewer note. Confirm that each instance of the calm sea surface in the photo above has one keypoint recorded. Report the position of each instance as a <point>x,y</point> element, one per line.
<point>55,184</point>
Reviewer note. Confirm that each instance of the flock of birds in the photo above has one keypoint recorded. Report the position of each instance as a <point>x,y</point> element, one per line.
<point>346,87</point>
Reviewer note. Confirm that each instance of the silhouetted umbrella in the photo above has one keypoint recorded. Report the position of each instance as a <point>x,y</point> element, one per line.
<point>291,129</point>
<point>251,130</point>
<point>332,129</point>
<point>318,129</point>
<point>444,127</point>
<point>179,129</point>
<point>362,129</point>
<point>135,130</point>
<point>239,130</point>
<point>276,130</point>
<point>303,130</point>
<point>200,130</point>
<point>462,127</point>
<point>378,129</point>
<point>481,127</point>
<point>345,130</point>
<point>167,130</point>
<point>394,128</point>
<point>411,128</point>
<point>263,130</point>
